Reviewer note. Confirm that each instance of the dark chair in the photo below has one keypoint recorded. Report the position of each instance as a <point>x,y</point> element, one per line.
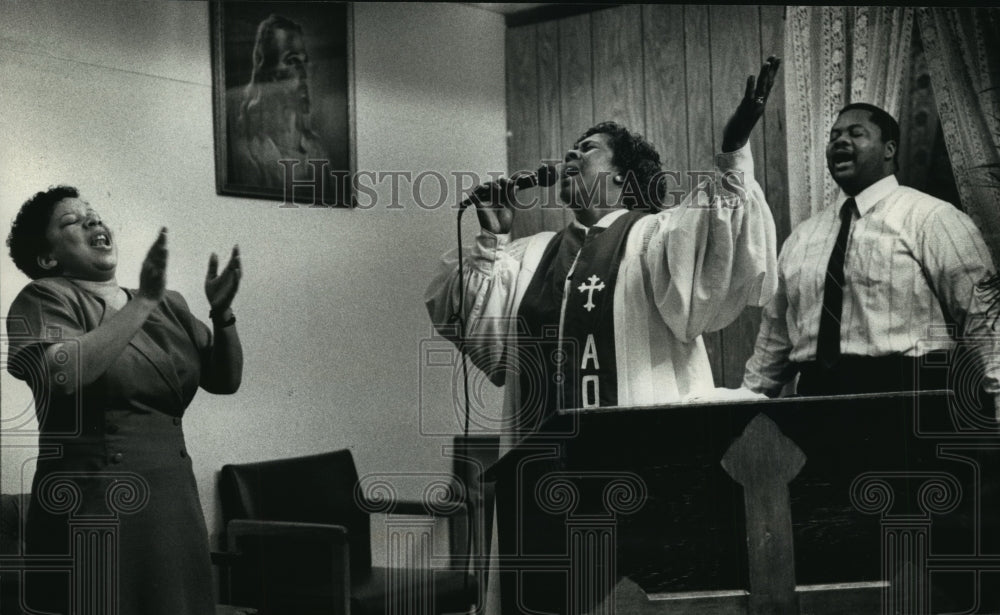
<point>299,541</point>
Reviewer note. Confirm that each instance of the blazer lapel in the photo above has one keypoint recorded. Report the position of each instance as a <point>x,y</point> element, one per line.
<point>158,357</point>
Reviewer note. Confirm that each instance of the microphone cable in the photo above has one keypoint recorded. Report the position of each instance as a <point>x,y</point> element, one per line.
<point>458,318</point>
<point>545,176</point>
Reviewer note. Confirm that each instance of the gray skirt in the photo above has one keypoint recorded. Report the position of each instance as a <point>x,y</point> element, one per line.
<point>119,517</point>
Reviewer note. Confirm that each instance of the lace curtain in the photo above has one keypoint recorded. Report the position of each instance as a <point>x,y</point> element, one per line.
<point>963,55</point>
<point>835,56</point>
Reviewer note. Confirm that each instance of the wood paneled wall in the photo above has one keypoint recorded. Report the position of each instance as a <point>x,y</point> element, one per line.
<point>673,73</point>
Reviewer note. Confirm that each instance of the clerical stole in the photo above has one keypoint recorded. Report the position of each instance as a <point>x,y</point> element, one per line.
<point>566,336</point>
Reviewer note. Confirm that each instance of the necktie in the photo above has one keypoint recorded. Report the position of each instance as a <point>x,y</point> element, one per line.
<point>828,340</point>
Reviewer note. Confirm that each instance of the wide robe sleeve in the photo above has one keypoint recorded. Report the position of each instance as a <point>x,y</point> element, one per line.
<point>492,285</point>
<point>715,253</point>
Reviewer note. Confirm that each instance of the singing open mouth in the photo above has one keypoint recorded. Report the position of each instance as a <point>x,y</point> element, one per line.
<point>842,156</point>
<point>101,240</point>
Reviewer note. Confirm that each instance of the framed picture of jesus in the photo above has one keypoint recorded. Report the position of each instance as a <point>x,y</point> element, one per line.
<point>284,100</point>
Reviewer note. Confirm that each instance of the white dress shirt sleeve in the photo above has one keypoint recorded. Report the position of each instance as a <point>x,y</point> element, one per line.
<point>956,259</point>
<point>769,368</point>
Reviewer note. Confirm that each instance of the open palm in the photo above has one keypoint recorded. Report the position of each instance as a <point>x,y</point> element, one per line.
<point>220,288</point>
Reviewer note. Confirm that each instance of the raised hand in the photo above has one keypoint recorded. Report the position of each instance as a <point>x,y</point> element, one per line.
<point>737,131</point>
<point>493,205</point>
<point>221,288</point>
<point>153,276</point>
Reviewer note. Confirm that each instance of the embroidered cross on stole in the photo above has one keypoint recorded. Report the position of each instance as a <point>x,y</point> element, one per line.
<point>566,346</point>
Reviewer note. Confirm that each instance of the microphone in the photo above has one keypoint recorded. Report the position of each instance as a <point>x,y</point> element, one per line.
<point>545,176</point>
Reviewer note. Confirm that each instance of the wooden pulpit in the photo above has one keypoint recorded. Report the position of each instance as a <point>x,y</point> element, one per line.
<point>885,503</point>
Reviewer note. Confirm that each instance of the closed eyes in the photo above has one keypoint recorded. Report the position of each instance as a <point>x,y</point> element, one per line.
<point>73,218</point>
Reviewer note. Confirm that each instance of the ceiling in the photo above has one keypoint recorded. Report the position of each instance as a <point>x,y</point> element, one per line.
<point>508,8</point>
<point>523,13</point>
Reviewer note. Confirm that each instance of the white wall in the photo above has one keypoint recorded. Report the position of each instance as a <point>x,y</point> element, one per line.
<point>116,98</point>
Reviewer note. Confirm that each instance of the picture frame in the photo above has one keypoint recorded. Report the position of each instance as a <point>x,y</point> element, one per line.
<point>283,101</point>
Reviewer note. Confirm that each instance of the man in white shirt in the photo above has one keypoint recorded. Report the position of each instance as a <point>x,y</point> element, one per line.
<point>874,290</point>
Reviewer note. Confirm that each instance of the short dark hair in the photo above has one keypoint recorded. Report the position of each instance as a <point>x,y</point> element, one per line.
<point>27,233</point>
<point>887,124</point>
<point>638,161</point>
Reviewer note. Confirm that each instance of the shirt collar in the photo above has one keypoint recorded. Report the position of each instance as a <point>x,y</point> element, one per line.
<point>604,222</point>
<point>870,196</point>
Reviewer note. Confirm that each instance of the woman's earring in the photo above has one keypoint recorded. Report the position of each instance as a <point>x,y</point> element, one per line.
<point>619,180</point>
<point>46,262</point>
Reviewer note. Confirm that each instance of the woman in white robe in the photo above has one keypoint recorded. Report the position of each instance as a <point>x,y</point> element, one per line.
<point>676,272</point>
